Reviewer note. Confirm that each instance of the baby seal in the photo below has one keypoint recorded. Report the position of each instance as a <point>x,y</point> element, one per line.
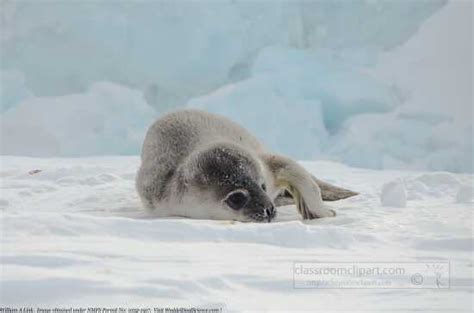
<point>200,165</point>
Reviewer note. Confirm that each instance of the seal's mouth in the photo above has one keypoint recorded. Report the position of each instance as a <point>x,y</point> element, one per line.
<point>265,216</point>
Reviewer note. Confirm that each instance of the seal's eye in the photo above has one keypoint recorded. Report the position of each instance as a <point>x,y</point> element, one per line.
<point>264,187</point>
<point>237,199</point>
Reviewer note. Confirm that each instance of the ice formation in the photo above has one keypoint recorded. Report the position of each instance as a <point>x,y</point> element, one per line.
<point>296,99</point>
<point>106,119</point>
<point>394,194</point>
<point>179,50</point>
<point>311,79</point>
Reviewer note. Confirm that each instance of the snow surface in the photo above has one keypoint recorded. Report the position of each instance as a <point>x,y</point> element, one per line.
<point>73,233</point>
<point>375,84</point>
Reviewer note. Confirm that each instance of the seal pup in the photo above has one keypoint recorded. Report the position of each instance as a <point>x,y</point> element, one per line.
<point>201,165</point>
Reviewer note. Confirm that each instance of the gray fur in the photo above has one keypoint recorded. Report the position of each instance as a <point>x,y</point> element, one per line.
<point>193,161</point>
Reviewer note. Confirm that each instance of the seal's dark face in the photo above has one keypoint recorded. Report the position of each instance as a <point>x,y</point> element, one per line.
<point>251,207</point>
<point>236,182</point>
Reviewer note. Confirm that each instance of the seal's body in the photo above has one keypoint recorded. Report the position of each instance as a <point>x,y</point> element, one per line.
<point>200,165</point>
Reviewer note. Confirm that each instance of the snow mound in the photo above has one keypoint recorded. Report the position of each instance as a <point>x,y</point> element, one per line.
<point>107,118</point>
<point>394,140</point>
<point>394,194</point>
<point>434,185</point>
<point>464,194</point>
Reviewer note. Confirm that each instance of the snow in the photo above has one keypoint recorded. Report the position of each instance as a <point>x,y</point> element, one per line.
<point>434,67</point>
<point>308,96</point>
<point>366,84</point>
<point>377,93</point>
<point>408,111</point>
<point>13,89</point>
<point>73,234</point>
<point>179,50</point>
<point>433,71</point>
<point>394,194</point>
<point>106,119</point>
<point>465,194</point>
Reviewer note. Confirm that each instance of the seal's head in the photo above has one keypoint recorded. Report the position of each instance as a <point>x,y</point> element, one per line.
<point>230,183</point>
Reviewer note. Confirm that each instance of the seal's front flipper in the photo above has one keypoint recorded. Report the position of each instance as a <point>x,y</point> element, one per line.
<point>284,198</point>
<point>293,177</point>
<point>333,193</point>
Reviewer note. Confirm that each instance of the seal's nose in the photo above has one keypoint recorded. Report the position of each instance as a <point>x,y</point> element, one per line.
<point>270,213</point>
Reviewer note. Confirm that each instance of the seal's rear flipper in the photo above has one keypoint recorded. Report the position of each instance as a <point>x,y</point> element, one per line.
<point>304,190</point>
<point>333,193</point>
<point>328,193</point>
